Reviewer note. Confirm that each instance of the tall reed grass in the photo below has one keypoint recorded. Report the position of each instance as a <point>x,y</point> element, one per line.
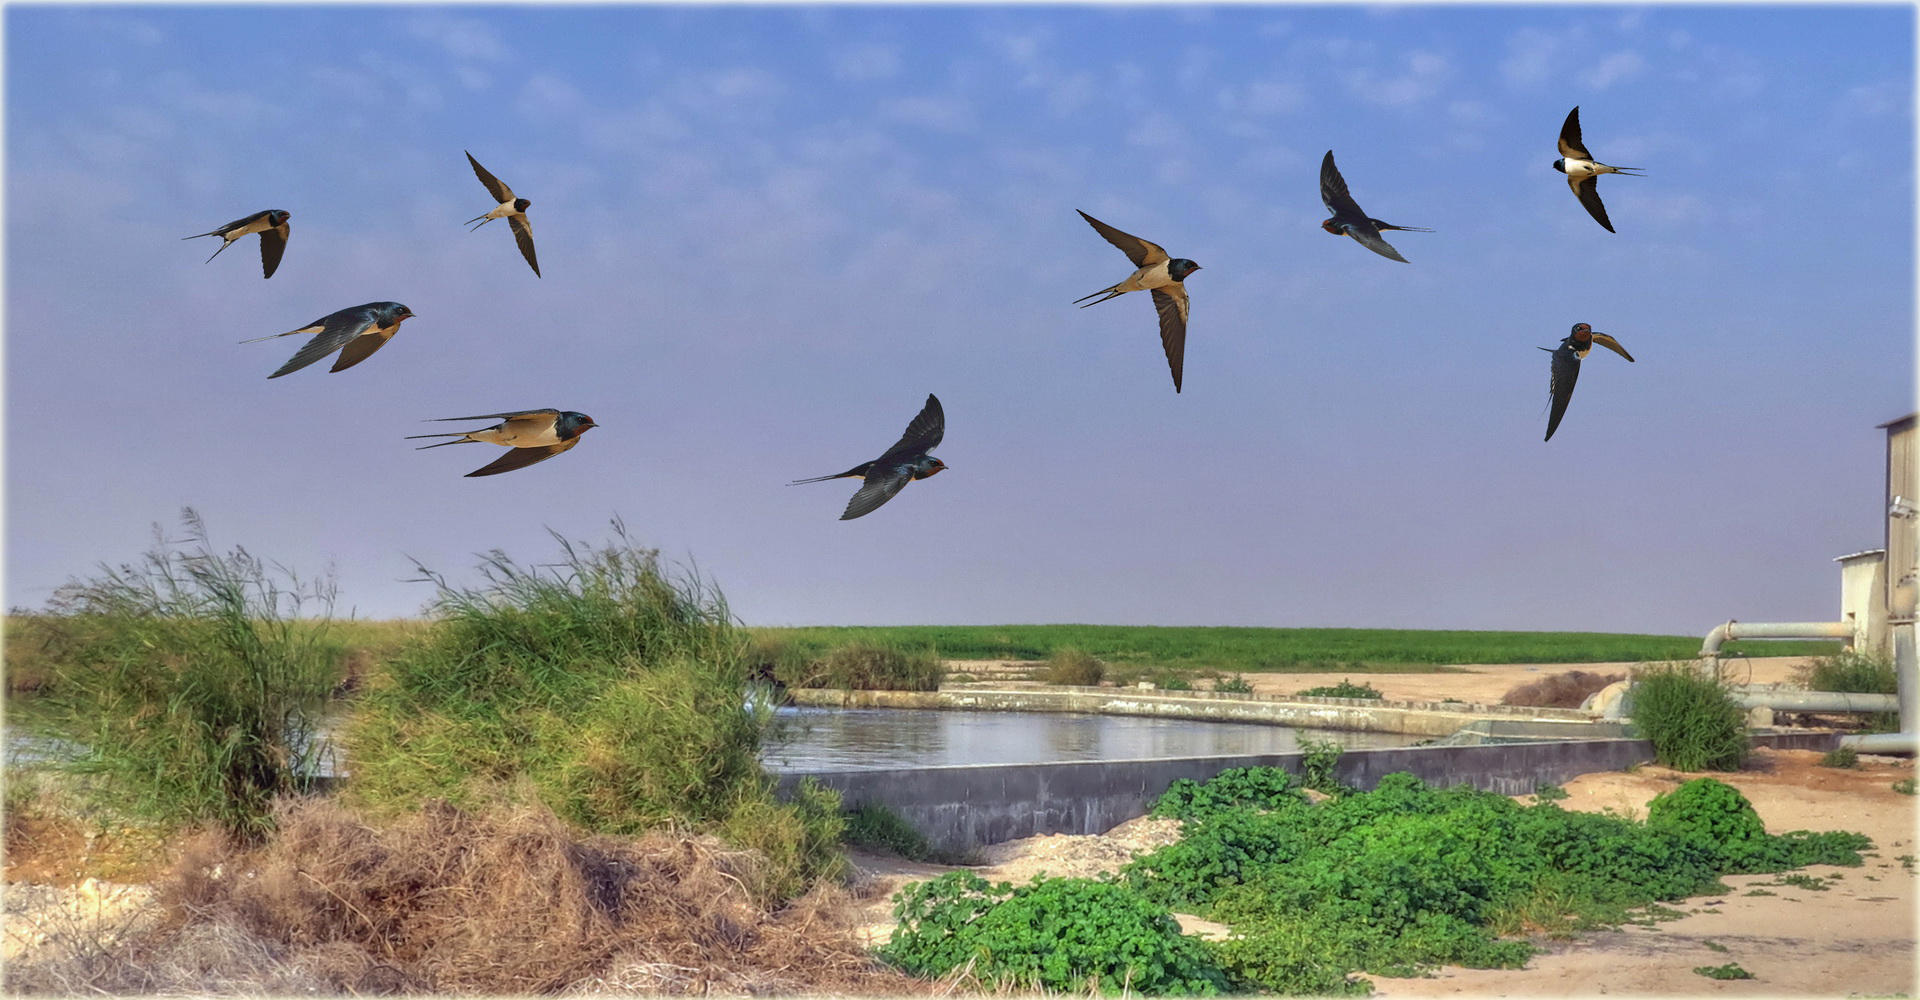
<point>602,685</point>
<point>187,682</point>
<point>1691,719</point>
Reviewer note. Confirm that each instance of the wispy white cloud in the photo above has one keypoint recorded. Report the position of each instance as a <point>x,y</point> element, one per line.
<point>462,37</point>
<point>1423,76</point>
<point>1873,100</point>
<point>942,114</point>
<point>862,63</point>
<point>547,96</point>
<point>1614,68</point>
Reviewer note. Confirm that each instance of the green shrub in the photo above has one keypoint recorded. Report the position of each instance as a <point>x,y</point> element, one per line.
<point>872,666</point>
<point>1344,689</point>
<point>1061,934</point>
<point>1717,819</point>
<point>607,689</point>
<point>1690,718</point>
<point>1072,666</point>
<point>1260,788</point>
<point>1840,757</point>
<point>1904,786</point>
<point>1167,680</point>
<point>1731,970</point>
<point>192,690</point>
<point>1317,760</point>
<point>878,828</point>
<point>1233,685</point>
<point>1860,673</point>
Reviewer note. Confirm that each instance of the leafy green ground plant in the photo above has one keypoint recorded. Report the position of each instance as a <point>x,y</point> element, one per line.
<point>1690,718</point>
<point>1061,934</point>
<point>1233,685</point>
<point>1344,689</point>
<point>1842,757</point>
<point>189,685</point>
<point>1405,877</point>
<point>1731,970</point>
<point>603,686</point>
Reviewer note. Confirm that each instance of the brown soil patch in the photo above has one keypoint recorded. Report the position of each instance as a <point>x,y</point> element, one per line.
<point>1485,684</point>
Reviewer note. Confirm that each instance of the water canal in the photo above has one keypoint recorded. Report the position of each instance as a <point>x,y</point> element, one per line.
<point>844,739</point>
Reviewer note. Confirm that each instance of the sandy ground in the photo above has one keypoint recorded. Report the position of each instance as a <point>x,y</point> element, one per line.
<point>1854,938</point>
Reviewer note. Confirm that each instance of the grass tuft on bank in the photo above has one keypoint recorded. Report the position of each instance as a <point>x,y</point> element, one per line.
<point>600,684</point>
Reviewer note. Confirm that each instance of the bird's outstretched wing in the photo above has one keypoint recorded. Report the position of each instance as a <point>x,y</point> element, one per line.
<point>1137,250</point>
<point>500,192</point>
<point>1171,303</point>
<point>922,435</point>
<point>1587,189</point>
<point>1333,190</point>
<point>548,412</point>
<point>1368,237</point>
<point>1566,371</point>
<point>520,458</point>
<point>1570,144</point>
<point>1607,341</point>
<point>330,334</point>
<point>876,491</point>
<point>523,235</point>
<point>273,244</point>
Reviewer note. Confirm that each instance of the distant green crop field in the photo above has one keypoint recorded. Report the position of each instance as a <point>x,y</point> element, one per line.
<point>1279,650</point>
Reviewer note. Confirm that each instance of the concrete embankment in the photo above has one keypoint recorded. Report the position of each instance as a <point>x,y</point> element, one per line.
<point>962,807</point>
<point>1353,714</point>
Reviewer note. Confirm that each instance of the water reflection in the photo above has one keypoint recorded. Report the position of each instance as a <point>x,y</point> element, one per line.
<point>836,739</point>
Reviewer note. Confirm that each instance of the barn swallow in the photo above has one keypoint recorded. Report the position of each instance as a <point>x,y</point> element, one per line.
<point>512,209</point>
<point>1583,171</point>
<point>1566,367</point>
<point>362,330</point>
<point>906,460</point>
<point>530,436</point>
<point>1164,277</point>
<point>1349,220</point>
<point>272,226</point>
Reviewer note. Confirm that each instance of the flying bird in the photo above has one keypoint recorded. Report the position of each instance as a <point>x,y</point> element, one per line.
<point>272,226</point>
<point>529,435</point>
<point>1583,171</point>
<point>1158,274</point>
<point>906,460</point>
<point>512,209</point>
<point>1349,220</point>
<point>362,330</point>
<point>1566,368</point>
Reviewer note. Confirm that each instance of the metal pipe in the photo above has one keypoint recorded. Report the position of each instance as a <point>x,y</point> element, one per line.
<point>1902,743</point>
<point>1772,630</point>
<point>1814,701</point>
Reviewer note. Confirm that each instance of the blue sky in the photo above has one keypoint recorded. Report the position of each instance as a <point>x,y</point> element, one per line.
<point>769,232</point>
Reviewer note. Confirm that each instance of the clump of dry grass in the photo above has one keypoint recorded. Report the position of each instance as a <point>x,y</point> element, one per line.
<point>510,901</point>
<point>1072,666</point>
<point>1567,689</point>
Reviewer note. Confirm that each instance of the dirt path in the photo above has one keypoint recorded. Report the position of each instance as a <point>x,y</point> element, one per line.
<point>1855,937</point>
<point>1484,683</point>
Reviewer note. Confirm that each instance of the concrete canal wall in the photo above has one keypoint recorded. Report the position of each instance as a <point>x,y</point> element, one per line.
<point>1355,714</point>
<point>966,806</point>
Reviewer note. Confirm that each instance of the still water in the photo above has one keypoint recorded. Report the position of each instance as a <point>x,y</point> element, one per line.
<point>844,739</point>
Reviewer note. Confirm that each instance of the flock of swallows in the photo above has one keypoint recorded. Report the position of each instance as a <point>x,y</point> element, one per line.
<point>535,435</point>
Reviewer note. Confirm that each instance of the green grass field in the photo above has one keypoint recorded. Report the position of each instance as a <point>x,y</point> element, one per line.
<point>1280,650</point>
<point>1224,649</point>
